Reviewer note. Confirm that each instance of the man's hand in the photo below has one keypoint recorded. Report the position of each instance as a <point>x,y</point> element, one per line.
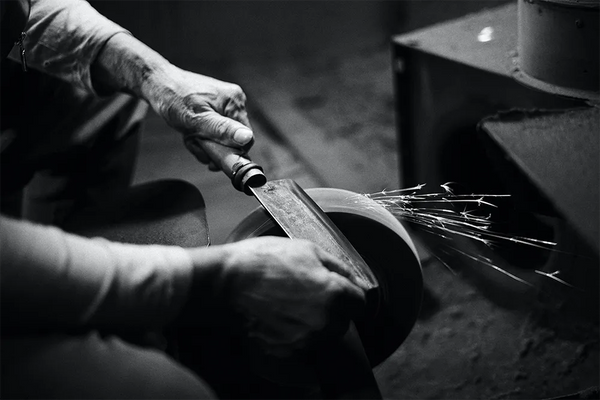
<point>282,292</point>
<point>201,107</point>
<point>196,105</point>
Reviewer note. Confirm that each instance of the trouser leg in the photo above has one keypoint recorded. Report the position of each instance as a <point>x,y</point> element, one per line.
<point>58,131</point>
<point>91,174</point>
<point>90,366</point>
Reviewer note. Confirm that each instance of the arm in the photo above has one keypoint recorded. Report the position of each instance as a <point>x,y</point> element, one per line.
<point>72,41</point>
<point>50,278</point>
<point>281,292</point>
<point>194,104</point>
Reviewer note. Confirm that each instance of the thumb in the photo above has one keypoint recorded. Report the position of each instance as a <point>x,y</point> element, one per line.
<point>224,130</point>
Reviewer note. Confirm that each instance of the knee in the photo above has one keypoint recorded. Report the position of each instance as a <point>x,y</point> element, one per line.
<point>151,374</point>
<point>92,367</point>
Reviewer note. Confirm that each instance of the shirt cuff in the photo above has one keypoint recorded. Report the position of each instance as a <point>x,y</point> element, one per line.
<point>149,286</point>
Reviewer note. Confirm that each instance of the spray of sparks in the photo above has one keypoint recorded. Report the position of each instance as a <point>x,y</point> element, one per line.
<point>446,214</point>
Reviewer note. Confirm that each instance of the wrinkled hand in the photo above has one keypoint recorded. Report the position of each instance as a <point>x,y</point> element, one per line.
<point>202,107</point>
<point>284,293</point>
<point>196,105</point>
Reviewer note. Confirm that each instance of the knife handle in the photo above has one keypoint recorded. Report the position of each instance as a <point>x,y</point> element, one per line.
<point>235,163</point>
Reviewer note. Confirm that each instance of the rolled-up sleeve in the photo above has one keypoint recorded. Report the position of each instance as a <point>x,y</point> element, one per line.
<point>52,278</point>
<point>64,38</point>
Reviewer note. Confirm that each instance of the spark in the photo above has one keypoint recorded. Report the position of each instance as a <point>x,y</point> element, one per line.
<point>445,264</point>
<point>552,275</point>
<point>470,221</point>
<point>497,268</point>
<point>446,187</point>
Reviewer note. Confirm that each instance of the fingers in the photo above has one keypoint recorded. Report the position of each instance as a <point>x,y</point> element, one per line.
<point>194,143</point>
<point>204,158</point>
<point>220,129</point>
<point>236,106</point>
<point>291,293</point>
<point>209,109</point>
<point>225,130</point>
<point>334,264</point>
<point>352,299</point>
<point>229,124</point>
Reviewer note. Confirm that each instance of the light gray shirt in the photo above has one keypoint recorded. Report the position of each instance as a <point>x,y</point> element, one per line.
<point>51,277</point>
<point>64,38</point>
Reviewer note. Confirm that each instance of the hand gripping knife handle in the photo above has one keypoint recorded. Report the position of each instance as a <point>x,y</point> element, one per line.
<point>243,173</point>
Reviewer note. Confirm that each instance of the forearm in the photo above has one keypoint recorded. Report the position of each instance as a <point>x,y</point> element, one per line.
<point>128,65</point>
<point>54,279</point>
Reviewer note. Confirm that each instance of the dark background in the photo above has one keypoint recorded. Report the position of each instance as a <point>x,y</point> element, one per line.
<point>199,32</point>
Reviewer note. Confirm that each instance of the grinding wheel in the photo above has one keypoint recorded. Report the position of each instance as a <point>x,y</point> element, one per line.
<point>387,249</point>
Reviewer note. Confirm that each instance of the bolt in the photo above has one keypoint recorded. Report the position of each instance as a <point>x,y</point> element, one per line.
<point>579,23</point>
